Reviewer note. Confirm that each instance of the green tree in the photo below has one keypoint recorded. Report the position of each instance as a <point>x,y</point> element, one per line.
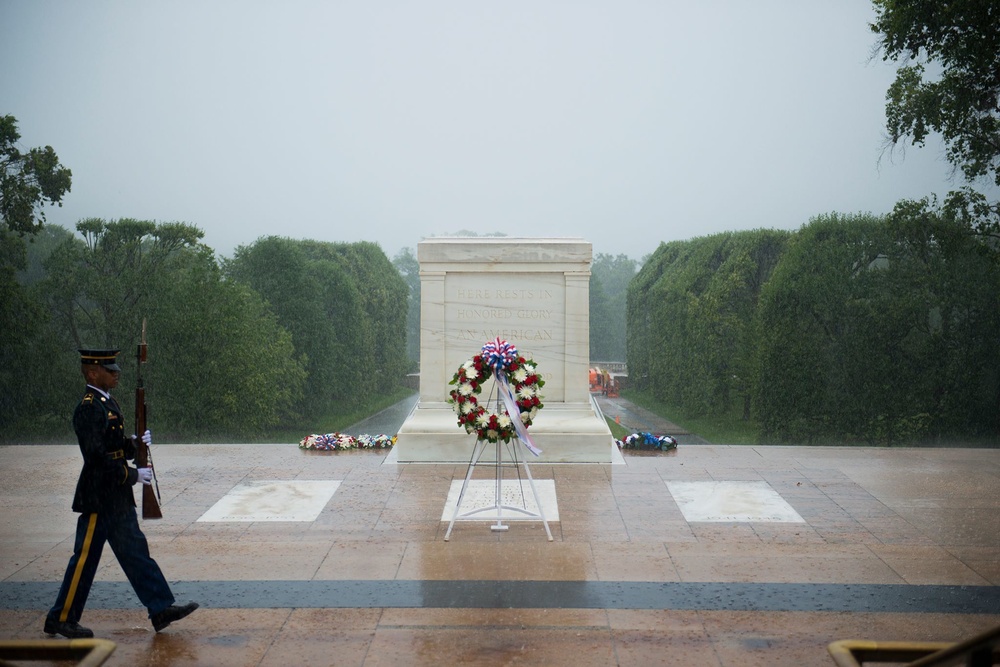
<point>691,316</point>
<point>28,181</point>
<point>382,296</point>
<point>409,268</point>
<point>653,314</point>
<point>219,361</point>
<point>610,278</point>
<point>43,243</point>
<point>881,331</point>
<point>45,344</point>
<point>602,322</point>
<point>949,84</point>
<point>616,272</point>
<point>810,348</point>
<point>317,302</point>
<point>101,286</point>
<point>33,363</point>
<point>951,288</point>
<point>345,306</point>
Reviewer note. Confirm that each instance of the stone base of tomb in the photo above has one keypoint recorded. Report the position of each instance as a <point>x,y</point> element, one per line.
<point>565,432</point>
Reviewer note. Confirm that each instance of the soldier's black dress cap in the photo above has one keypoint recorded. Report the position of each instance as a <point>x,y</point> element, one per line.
<point>106,358</point>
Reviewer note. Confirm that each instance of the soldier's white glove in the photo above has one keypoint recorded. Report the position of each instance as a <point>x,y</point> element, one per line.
<point>147,438</point>
<point>145,474</point>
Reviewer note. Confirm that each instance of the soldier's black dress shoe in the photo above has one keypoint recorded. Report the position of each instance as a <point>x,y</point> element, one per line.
<point>68,629</point>
<point>171,614</point>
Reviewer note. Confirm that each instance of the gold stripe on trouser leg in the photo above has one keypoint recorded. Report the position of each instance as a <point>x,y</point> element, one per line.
<point>79,568</point>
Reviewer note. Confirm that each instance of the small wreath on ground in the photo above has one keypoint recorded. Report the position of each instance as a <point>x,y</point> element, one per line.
<point>497,358</point>
<point>335,442</point>
<point>647,441</point>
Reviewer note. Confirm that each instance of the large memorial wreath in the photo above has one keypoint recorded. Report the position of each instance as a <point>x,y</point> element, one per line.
<point>516,377</point>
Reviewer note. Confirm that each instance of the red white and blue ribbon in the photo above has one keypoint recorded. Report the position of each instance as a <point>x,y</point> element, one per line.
<point>499,354</point>
<point>515,414</point>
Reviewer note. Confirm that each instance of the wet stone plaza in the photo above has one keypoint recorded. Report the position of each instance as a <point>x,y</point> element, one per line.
<point>706,555</point>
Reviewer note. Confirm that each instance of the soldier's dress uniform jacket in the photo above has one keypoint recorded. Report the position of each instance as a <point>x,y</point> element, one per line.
<point>106,479</point>
<point>107,512</point>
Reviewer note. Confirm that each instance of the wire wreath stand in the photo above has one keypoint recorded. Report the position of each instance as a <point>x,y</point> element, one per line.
<point>498,506</point>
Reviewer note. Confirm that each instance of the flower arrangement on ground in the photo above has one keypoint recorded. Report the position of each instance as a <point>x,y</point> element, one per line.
<point>518,386</point>
<point>647,441</point>
<point>332,442</point>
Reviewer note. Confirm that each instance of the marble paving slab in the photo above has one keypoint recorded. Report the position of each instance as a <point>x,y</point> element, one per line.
<point>273,500</point>
<point>481,493</point>
<point>718,501</point>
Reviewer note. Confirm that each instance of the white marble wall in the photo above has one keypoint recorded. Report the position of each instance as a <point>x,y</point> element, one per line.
<point>532,292</point>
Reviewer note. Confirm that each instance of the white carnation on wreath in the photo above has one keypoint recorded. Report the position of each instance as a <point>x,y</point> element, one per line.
<point>491,426</point>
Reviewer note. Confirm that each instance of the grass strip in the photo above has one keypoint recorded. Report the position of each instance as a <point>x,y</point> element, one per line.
<point>723,429</point>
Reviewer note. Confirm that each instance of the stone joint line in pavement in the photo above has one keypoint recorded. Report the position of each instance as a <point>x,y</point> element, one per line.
<point>477,594</point>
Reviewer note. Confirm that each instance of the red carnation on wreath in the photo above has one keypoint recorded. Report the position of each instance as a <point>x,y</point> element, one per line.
<point>525,383</point>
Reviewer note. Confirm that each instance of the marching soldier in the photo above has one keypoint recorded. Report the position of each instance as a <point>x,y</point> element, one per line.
<point>107,508</point>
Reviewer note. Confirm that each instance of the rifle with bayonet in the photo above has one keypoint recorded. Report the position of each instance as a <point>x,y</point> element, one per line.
<point>143,457</point>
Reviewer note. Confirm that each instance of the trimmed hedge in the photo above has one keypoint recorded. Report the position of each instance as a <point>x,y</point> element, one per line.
<point>852,329</point>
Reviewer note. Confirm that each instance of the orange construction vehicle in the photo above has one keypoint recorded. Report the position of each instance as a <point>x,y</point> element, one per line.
<point>601,381</point>
<point>595,380</point>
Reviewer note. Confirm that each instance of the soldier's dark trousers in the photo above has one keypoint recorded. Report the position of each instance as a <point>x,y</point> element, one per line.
<point>121,532</point>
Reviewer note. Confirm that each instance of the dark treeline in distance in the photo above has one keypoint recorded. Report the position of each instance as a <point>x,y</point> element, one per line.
<point>852,329</point>
<point>879,330</point>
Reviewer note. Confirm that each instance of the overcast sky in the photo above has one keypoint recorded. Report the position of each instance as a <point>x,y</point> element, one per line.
<point>625,122</point>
